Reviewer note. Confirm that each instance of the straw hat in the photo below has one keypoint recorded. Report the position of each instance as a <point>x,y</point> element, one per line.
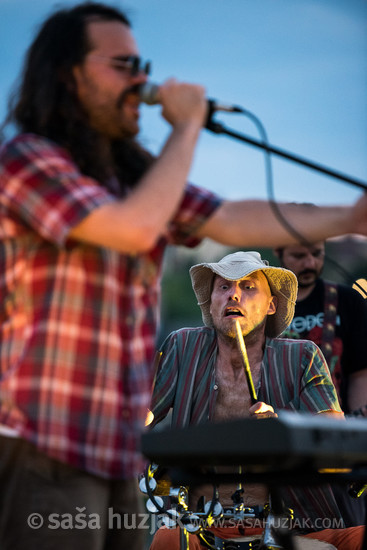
<point>237,266</point>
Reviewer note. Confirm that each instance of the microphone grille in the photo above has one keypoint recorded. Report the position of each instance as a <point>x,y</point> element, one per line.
<point>149,93</point>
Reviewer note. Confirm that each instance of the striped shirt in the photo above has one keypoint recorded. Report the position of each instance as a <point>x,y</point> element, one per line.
<point>294,376</point>
<point>77,322</point>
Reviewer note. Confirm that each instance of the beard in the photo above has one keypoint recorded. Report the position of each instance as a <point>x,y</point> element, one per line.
<point>311,276</point>
<point>229,333</point>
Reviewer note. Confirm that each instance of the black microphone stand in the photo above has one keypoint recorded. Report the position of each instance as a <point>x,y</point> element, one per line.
<point>219,128</point>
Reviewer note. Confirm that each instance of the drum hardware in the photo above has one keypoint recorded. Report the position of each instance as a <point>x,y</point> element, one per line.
<point>237,496</point>
<point>271,542</point>
<point>143,485</point>
<point>171,521</point>
<point>293,449</point>
<point>153,506</point>
<point>148,485</point>
<point>196,522</point>
<point>277,532</point>
<point>210,509</point>
<point>216,509</point>
<point>180,515</point>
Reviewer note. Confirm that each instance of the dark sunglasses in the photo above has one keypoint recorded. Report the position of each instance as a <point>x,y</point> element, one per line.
<point>131,63</point>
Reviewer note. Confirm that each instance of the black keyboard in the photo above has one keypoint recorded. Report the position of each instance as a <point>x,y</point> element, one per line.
<point>291,441</point>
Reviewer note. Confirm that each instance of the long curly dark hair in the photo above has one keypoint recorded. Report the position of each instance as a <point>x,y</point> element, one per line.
<point>46,102</point>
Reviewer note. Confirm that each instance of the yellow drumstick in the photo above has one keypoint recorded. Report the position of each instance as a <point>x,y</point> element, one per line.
<point>246,364</point>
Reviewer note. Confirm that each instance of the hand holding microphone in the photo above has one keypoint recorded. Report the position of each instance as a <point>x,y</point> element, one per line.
<point>153,94</point>
<point>182,103</point>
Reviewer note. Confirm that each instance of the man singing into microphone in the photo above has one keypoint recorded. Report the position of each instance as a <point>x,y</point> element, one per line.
<point>86,216</point>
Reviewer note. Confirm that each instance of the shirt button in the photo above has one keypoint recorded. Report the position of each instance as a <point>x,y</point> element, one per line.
<point>215,387</point>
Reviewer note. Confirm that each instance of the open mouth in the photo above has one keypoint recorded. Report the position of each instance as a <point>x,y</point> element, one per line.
<point>233,312</point>
<point>132,101</point>
<point>130,96</point>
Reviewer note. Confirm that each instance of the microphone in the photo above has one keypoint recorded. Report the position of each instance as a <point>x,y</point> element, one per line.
<point>149,94</point>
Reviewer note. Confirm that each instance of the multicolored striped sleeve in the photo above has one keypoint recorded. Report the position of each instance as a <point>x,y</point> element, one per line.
<point>296,377</point>
<point>317,391</point>
<point>165,382</point>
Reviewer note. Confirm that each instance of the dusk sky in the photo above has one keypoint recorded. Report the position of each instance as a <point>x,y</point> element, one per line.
<point>299,65</point>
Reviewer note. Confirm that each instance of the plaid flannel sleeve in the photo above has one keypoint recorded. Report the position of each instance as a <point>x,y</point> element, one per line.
<point>196,207</point>
<point>41,188</point>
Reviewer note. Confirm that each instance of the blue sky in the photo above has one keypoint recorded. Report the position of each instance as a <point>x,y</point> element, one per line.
<point>299,65</point>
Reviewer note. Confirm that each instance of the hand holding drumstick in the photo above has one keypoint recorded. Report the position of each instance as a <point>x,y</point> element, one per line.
<point>258,408</point>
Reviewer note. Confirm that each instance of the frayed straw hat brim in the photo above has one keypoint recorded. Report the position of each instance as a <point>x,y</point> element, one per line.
<point>237,266</point>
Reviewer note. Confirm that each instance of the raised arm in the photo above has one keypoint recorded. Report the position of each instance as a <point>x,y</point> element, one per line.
<point>253,222</point>
<point>135,223</point>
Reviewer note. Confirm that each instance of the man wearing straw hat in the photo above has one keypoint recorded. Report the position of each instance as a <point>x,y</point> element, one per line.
<point>201,378</point>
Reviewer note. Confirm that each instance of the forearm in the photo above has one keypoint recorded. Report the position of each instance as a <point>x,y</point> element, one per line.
<point>254,223</point>
<point>160,190</point>
<point>135,223</point>
<point>333,414</point>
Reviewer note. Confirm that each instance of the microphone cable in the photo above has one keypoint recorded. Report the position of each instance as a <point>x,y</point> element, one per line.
<point>277,211</point>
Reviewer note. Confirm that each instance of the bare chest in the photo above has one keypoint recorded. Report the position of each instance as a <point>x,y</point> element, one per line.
<point>233,397</point>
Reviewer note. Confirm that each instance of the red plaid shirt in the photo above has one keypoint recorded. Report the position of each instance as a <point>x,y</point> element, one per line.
<point>77,322</point>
